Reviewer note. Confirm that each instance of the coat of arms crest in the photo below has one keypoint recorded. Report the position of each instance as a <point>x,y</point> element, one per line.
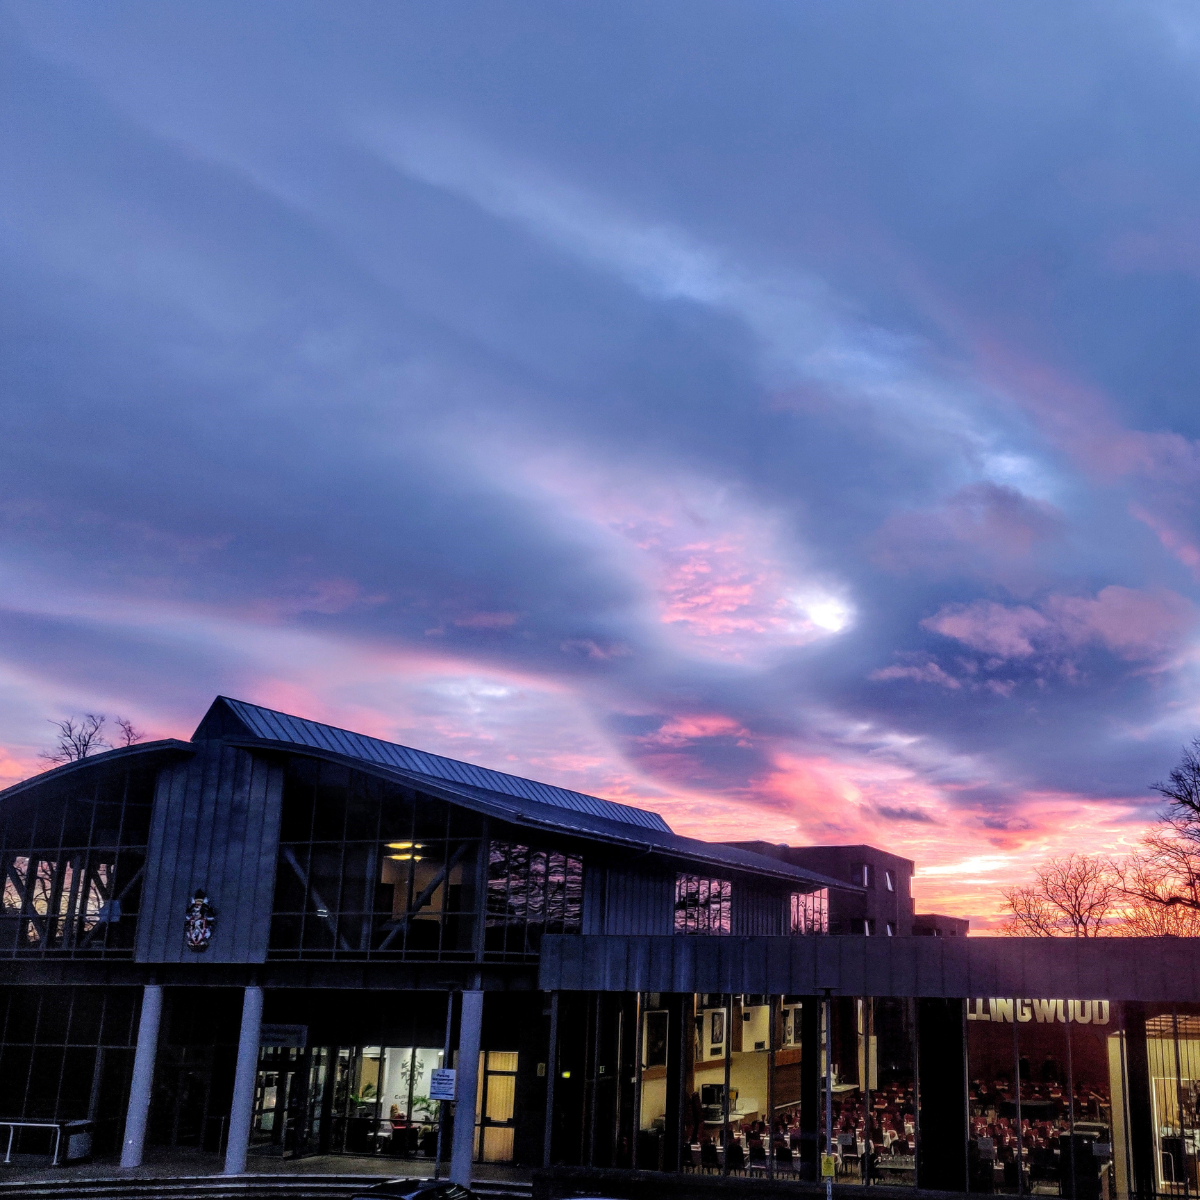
<point>199,918</point>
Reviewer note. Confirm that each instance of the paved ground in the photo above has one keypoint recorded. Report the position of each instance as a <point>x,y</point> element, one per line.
<point>163,1163</point>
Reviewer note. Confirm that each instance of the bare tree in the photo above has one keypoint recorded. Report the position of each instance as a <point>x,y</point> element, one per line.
<point>77,738</point>
<point>129,734</point>
<point>1164,875</point>
<point>1160,882</point>
<point>1182,793</point>
<point>1074,896</point>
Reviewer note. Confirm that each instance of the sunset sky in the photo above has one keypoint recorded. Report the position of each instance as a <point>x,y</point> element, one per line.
<point>783,416</point>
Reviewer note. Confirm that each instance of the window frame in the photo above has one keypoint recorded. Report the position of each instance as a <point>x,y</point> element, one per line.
<point>703,905</point>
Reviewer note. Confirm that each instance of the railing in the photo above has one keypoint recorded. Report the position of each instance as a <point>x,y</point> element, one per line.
<point>13,1126</point>
<point>73,1129</point>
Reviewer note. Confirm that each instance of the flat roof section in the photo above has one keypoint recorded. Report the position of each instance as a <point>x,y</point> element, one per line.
<point>1148,969</point>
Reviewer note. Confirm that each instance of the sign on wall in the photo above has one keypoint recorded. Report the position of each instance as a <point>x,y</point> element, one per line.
<point>1042,1012</point>
<point>441,1083</point>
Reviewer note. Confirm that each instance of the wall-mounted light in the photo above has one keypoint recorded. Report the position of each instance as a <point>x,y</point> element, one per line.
<point>405,857</point>
<point>406,845</point>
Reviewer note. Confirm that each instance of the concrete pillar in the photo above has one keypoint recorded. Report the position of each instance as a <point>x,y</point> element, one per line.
<point>143,1077</point>
<point>466,1084</point>
<point>242,1111</point>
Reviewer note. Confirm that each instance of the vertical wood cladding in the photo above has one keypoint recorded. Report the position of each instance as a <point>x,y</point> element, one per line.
<point>759,912</point>
<point>639,901</point>
<point>216,827</point>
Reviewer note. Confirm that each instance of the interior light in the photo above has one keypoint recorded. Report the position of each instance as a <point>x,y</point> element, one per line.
<point>406,845</point>
<point>405,857</point>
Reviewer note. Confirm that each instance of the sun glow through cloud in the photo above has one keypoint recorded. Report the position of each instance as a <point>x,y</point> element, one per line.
<point>420,380</point>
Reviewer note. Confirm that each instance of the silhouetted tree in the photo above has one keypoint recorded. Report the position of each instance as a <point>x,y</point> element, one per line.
<point>1161,880</point>
<point>129,734</point>
<point>1074,896</point>
<point>80,736</point>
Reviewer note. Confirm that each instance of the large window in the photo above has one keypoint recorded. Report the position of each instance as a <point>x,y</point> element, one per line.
<point>810,912</point>
<point>530,892</point>
<point>703,905</point>
<point>371,868</point>
<point>71,858</point>
<point>66,1053</point>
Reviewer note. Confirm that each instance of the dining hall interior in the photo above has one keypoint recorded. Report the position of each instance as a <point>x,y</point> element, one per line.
<point>1018,1096</point>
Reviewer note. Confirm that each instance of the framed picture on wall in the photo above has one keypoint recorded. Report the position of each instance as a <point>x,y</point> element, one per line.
<point>656,1040</point>
<point>716,1036</point>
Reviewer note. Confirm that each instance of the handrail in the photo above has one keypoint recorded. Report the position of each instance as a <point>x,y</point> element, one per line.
<point>13,1126</point>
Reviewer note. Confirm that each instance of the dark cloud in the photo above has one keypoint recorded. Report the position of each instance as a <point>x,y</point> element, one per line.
<point>783,418</point>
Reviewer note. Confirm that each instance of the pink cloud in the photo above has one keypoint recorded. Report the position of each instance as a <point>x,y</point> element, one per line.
<point>683,730</point>
<point>990,627</point>
<point>1174,542</point>
<point>15,766</point>
<point>1080,420</point>
<point>1139,626</point>
<point>928,672</point>
<point>726,577</point>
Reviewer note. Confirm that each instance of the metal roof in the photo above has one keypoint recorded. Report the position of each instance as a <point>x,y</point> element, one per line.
<point>507,797</point>
<point>692,851</point>
<point>280,727</point>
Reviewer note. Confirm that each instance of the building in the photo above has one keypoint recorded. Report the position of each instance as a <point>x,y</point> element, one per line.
<point>267,939</point>
<point>880,902</point>
<point>354,902</point>
<point>939,925</point>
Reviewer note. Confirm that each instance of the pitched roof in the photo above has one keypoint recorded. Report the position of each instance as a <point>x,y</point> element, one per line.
<point>507,796</point>
<point>281,727</point>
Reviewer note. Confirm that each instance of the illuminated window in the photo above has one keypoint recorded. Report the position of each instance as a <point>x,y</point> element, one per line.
<point>703,905</point>
<point>367,868</point>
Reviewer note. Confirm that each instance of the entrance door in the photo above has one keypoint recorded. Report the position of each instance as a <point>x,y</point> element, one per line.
<point>495,1107</point>
<point>277,1093</point>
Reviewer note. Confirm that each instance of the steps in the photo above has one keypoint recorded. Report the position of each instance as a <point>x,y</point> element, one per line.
<point>239,1187</point>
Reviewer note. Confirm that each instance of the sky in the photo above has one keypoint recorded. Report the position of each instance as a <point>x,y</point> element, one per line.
<point>779,415</point>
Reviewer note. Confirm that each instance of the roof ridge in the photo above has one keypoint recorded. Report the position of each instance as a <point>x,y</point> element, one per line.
<point>281,726</point>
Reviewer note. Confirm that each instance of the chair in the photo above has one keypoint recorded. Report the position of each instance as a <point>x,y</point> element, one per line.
<point>686,1161</point>
<point>708,1158</point>
<point>735,1157</point>
<point>758,1156</point>
<point>783,1158</point>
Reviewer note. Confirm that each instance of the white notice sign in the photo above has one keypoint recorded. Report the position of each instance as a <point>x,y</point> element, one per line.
<point>441,1084</point>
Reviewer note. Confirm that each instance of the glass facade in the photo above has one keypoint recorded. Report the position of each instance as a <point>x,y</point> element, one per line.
<point>703,905</point>
<point>1088,1099</point>
<point>66,1054</point>
<point>529,893</point>
<point>370,869</point>
<point>810,912</point>
<point>72,852</point>
<point>1173,1063</point>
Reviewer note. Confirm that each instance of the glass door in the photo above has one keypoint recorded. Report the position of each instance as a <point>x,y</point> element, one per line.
<point>495,1106</point>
